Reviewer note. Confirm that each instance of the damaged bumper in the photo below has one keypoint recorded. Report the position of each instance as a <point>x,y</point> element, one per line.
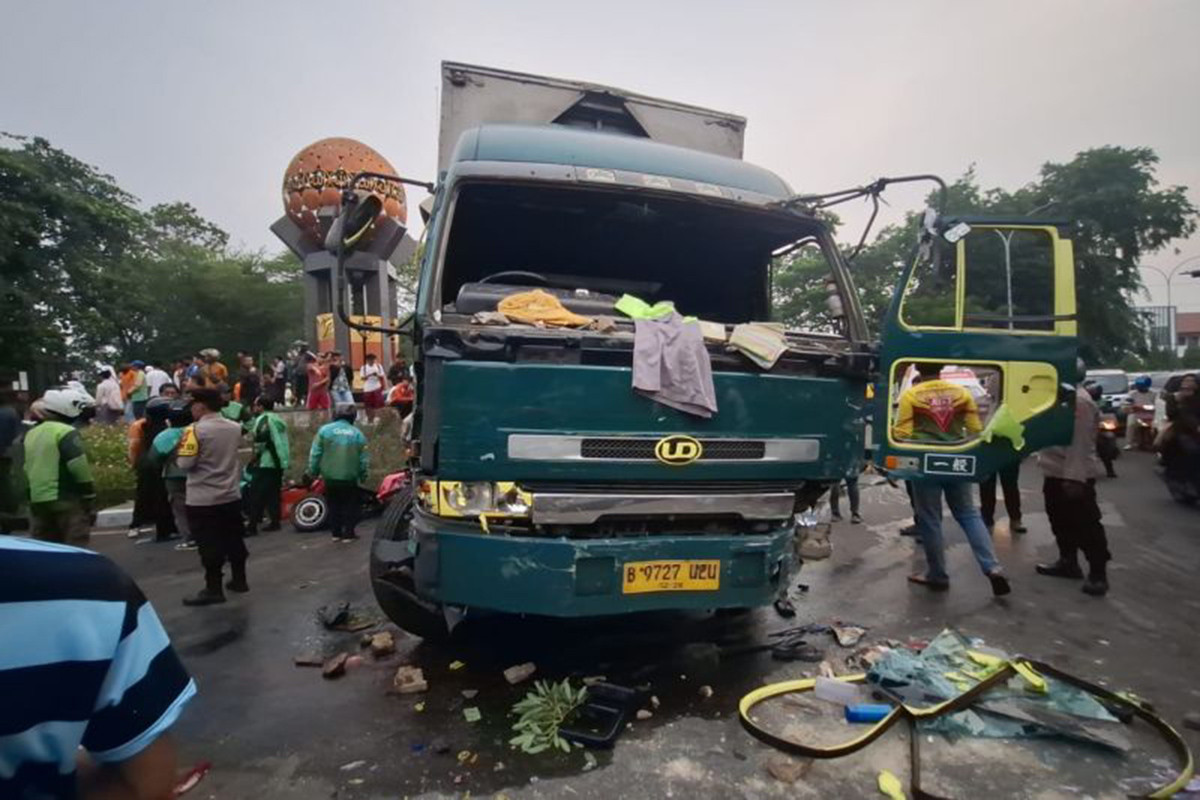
<point>457,564</point>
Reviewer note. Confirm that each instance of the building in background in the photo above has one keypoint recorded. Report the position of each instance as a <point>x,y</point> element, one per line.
<point>1187,330</point>
<point>1160,325</point>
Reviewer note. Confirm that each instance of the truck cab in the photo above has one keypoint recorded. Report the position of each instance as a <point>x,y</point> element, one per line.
<point>543,484</point>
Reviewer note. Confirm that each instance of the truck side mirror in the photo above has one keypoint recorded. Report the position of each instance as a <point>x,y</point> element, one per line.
<point>354,221</point>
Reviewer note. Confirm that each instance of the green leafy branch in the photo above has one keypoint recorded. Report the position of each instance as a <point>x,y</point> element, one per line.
<point>541,712</point>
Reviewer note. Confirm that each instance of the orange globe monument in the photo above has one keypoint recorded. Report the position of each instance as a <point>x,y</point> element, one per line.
<point>312,198</point>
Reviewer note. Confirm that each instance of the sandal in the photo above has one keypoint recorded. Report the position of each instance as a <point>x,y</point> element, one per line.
<point>929,583</point>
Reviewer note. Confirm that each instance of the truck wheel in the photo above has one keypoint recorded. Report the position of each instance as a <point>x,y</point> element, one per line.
<point>392,577</point>
<point>310,513</point>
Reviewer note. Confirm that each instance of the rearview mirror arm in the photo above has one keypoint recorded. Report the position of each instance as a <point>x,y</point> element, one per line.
<point>349,200</point>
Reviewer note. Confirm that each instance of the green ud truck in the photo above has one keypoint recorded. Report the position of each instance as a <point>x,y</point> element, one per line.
<point>542,483</point>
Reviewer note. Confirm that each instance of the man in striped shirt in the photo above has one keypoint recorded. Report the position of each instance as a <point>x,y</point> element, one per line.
<point>84,663</point>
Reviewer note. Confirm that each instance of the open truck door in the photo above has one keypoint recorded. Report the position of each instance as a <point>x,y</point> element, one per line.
<point>989,305</point>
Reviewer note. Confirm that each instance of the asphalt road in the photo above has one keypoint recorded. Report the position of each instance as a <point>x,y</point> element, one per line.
<point>274,730</point>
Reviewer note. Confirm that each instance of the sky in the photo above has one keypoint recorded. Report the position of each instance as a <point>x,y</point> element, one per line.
<point>208,102</point>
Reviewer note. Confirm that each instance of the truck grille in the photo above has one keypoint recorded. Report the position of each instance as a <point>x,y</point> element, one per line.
<point>643,449</point>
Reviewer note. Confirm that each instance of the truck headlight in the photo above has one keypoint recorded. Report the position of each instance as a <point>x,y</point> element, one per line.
<point>469,499</point>
<point>474,499</point>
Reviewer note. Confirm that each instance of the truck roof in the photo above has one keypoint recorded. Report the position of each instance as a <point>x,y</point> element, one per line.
<point>474,95</point>
<point>556,144</point>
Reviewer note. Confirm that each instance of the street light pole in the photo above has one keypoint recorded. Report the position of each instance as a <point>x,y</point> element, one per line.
<point>1168,277</point>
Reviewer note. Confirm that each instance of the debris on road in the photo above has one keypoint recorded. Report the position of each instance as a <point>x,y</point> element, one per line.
<point>354,662</point>
<point>654,702</point>
<point>456,665</point>
<point>890,786</point>
<point>409,680</point>
<point>471,714</point>
<point>706,692</point>
<point>520,672</point>
<point>788,769</point>
<point>784,607</point>
<point>466,757</point>
<point>309,660</point>
<point>335,667</point>
<point>541,713</point>
<point>419,707</point>
<point>382,644</point>
<point>470,694</point>
<point>344,617</point>
<point>848,635</point>
<point>353,765</point>
<point>440,746</point>
<point>644,714</point>
<point>589,761</point>
<point>193,777</point>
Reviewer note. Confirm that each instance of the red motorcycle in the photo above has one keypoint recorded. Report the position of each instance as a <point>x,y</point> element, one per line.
<point>304,502</point>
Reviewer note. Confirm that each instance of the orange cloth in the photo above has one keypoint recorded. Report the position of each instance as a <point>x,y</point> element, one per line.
<point>537,306</point>
<point>128,383</point>
<point>137,441</point>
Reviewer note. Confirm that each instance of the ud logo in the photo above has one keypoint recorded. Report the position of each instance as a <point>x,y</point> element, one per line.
<point>676,451</point>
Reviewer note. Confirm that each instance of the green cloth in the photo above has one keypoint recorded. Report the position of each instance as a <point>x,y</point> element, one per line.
<point>268,426</point>
<point>1005,425</point>
<point>339,453</point>
<point>56,464</point>
<point>141,391</point>
<point>162,452</point>
<point>232,411</point>
<point>637,308</point>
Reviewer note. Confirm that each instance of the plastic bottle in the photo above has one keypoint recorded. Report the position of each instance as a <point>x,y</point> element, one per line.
<point>836,691</point>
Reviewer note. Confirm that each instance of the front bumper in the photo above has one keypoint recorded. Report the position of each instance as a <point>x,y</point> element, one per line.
<point>457,564</point>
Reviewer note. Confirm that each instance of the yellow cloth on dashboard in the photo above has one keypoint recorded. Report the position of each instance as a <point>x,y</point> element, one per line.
<point>535,306</point>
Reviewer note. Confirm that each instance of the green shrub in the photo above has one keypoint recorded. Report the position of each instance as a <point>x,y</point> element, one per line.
<point>107,449</point>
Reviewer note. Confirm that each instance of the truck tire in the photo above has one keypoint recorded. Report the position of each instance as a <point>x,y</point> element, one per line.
<point>310,513</point>
<point>392,577</point>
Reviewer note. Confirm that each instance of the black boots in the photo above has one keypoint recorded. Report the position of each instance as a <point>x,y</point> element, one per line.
<point>1061,569</point>
<point>1097,582</point>
<point>210,594</point>
<point>1097,578</point>
<point>237,580</point>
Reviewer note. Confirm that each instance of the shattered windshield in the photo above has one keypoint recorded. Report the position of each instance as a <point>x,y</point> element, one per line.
<point>711,260</point>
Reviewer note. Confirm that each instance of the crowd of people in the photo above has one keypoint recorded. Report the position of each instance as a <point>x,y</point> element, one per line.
<point>313,381</point>
<point>186,430</point>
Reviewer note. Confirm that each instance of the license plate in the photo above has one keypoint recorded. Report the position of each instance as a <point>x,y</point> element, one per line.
<point>640,577</point>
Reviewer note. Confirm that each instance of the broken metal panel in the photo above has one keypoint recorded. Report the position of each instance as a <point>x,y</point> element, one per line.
<point>473,96</point>
<point>579,578</point>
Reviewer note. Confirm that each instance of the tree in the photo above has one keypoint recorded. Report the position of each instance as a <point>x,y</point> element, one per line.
<point>1118,214</point>
<point>66,231</point>
<point>85,275</point>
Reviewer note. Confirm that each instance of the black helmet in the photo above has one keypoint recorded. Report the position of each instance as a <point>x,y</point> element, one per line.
<point>346,411</point>
<point>157,409</point>
<point>179,413</point>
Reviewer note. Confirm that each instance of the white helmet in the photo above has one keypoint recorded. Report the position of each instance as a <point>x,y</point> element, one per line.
<point>67,401</point>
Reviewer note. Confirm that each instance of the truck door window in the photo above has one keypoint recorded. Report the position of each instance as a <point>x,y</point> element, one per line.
<point>1009,276</point>
<point>952,411</point>
<point>930,297</point>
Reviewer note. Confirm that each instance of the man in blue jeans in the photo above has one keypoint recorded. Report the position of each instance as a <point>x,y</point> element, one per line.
<point>933,410</point>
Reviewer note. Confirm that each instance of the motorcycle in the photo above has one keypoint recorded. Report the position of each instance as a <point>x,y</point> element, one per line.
<point>1106,443</point>
<point>304,502</point>
<point>1140,429</point>
<point>1181,468</point>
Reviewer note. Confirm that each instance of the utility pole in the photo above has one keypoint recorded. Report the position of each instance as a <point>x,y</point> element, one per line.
<point>1168,277</point>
